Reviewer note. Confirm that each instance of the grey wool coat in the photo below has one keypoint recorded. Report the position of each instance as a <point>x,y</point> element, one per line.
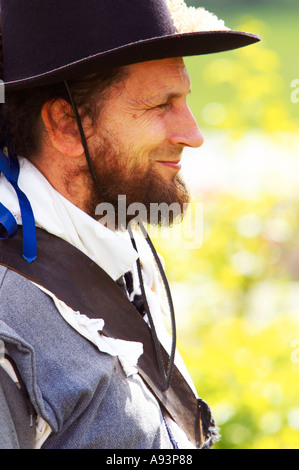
<point>82,393</point>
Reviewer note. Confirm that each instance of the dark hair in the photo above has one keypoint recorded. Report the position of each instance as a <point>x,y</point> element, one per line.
<point>20,115</point>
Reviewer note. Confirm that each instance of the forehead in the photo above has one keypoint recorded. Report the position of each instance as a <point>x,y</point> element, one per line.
<point>158,76</point>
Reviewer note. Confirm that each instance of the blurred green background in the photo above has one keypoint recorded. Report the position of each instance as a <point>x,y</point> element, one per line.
<point>237,294</point>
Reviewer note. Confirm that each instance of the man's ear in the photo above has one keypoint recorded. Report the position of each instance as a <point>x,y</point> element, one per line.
<point>62,128</point>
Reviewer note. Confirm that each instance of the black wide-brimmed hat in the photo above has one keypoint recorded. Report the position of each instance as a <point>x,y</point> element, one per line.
<point>45,41</point>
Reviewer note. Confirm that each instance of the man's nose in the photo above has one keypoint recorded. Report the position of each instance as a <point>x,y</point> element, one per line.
<point>187,132</point>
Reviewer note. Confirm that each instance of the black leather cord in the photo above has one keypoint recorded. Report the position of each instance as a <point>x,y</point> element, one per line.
<point>166,375</point>
<point>169,298</point>
<point>84,142</point>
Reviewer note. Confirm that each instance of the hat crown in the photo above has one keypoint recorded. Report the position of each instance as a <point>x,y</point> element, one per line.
<point>44,35</point>
<point>46,41</point>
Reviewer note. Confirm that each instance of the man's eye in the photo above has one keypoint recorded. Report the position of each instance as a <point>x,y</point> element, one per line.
<point>162,106</point>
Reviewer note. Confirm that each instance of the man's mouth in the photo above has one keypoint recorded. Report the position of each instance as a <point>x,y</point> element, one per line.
<point>175,165</point>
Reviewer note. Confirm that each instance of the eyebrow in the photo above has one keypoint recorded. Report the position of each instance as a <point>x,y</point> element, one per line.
<point>169,96</point>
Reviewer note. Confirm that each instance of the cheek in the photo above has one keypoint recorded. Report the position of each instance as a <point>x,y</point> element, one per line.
<point>145,130</point>
<point>131,144</point>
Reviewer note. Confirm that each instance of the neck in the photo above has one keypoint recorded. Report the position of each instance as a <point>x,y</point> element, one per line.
<point>73,182</point>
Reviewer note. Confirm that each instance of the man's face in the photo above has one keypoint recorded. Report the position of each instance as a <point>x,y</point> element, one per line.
<point>142,129</point>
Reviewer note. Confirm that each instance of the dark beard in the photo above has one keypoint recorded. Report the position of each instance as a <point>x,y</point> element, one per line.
<point>164,201</point>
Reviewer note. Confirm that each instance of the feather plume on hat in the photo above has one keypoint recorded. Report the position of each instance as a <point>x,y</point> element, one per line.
<point>191,20</point>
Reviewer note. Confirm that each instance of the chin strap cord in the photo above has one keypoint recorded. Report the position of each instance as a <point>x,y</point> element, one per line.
<point>84,142</point>
<point>165,375</point>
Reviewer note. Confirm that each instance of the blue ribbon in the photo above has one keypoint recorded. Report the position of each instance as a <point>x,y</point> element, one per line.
<point>11,169</point>
<point>9,223</point>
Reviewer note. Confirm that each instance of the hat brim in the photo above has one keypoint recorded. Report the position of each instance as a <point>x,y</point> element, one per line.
<point>177,45</point>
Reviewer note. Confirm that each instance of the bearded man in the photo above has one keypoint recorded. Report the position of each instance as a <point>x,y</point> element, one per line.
<point>96,108</point>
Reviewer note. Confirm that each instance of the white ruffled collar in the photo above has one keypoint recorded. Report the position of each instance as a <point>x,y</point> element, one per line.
<point>110,250</point>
